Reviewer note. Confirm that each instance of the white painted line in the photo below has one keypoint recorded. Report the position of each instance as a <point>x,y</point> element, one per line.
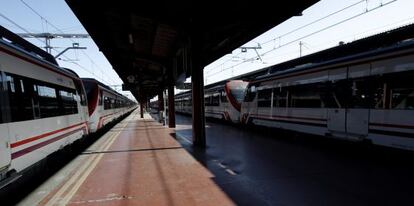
<point>231,172</point>
<point>221,165</point>
<point>183,138</point>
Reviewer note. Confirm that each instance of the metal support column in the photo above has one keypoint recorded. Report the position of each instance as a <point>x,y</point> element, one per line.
<point>142,109</point>
<point>171,107</point>
<point>197,82</point>
<point>161,106</point>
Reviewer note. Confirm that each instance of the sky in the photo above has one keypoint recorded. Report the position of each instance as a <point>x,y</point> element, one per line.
<point>321,26</point>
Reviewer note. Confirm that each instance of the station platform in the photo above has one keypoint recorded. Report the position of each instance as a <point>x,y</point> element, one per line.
<point>138,162</point>
<point>141,162</point>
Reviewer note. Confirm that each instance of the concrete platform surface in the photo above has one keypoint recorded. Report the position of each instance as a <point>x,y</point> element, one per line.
<point>138,162</point>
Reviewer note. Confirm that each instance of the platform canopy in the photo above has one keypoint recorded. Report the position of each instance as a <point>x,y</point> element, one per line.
<point>151,43</point>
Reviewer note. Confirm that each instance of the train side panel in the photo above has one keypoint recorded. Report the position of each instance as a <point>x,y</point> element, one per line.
<point>372,100</point>
<point>44,112</point>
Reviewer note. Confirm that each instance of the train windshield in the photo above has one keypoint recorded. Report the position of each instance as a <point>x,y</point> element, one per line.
<point>237,89</point>
<point>89,88</point>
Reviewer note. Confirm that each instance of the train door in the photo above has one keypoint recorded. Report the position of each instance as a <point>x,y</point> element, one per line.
<point>83,106</point>
<point>5,151</point>
<point>357,123</point>
<point>357,115</point>
<point>336,120</point>
<point>358,112</point>
<point>35,103</point>
<point>336,98</point>
<point>224,104</point>
<point>248,106</point>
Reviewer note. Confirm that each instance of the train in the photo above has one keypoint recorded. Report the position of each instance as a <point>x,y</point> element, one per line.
<point>222,100</point>
<point>45,107</point>
<point>104,105</point>
<point>361,91</point>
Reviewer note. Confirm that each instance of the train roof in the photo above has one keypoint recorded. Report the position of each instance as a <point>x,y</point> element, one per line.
<point>104,86</point>
<point>29,52</point>
<point>396,39</point>
<point>25,46</point>
<point>182,94</point>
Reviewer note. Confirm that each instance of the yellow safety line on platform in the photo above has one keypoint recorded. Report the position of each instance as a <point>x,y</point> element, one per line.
<point>83,172</point>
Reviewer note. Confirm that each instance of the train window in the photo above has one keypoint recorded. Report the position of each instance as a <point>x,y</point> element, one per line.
<point>21,85</point>
<point>10,84</point>
<point>13,99</point>
<point>223,97</point>
<point>279,97</point>
<point>31,99</point>
<point>207,101</point>
<point>306,96</point>
<point>68,102</point>
<point>26,99</point>
<point>45,91</point>
<point>401,90</point>
<point>336,94</point>
<point>250,94</point>
<point>100,98</point>
<point>81,92</point>
<point>91,89</point>
<point>215,101</point>
<point>107,103</point>
<point>238,94</point>
<point>48,102</point>
<point>378,88</point>
<point>402,98</point>
<point>360,93</point>
<point>264,98</point>
<point>20,103</point>
<point>112,103</point>
<point>328,95</point>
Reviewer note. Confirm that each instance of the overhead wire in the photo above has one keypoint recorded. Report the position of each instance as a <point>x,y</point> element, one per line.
<point>58,29</point>
<point>20,27</point>
<point>313,22</point>
<point>332,25</point>
<point>84,68</point>
<point>305,36</point>
<point>294,30</point>
<point>25,30</point>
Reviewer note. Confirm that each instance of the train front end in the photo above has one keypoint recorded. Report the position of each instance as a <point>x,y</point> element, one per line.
<point>235,91</point>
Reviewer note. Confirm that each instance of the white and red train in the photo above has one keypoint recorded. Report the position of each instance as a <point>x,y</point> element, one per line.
<point>44,107</point>
<point>104,104</point>
<point>365,95</point>
<point>221,100</point>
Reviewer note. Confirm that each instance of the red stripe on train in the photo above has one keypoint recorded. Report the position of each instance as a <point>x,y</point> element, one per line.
<point>31,139</point>
<point>288,117</point>
<point>42,144</point>
<point>391,125</point>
